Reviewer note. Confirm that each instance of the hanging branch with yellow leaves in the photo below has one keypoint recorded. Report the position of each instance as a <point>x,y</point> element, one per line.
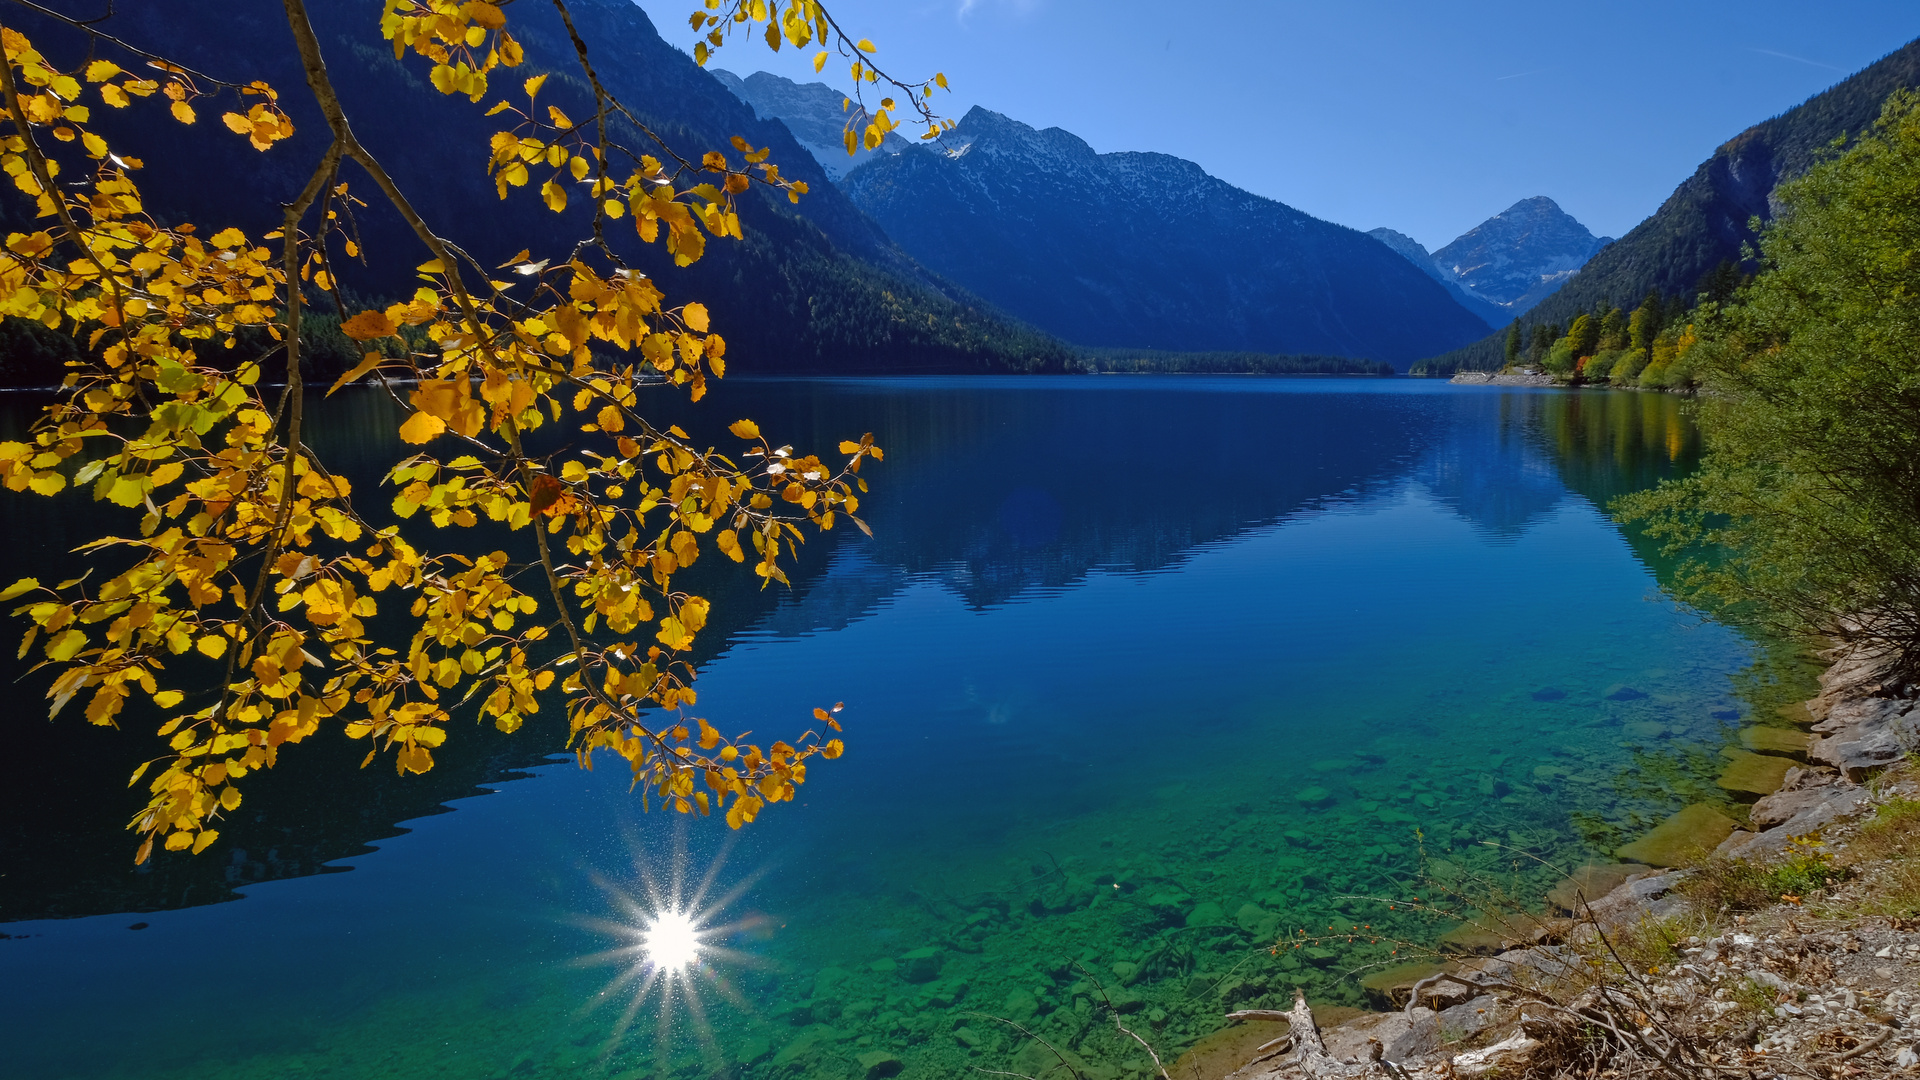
<point>239,600</point>
<point>806,22</point>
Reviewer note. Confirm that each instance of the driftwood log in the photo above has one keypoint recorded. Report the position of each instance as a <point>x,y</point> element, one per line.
<point>1310,1051</point>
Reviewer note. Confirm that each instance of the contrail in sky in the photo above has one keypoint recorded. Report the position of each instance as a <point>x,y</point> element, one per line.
<point>1797,59</point>
<point>1521,75</point>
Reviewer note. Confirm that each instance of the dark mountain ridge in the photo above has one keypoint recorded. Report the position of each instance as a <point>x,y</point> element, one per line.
<point>1138,250</point>
<point>813,287</point>
<point>1707,221</point>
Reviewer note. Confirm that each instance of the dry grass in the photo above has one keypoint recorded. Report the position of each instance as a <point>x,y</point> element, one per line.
<point>1894,833</point>
<point>1806,869</point>
<point>1654,944</point>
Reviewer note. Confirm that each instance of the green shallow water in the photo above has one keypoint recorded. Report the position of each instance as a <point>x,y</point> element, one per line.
<point>1145,679</point>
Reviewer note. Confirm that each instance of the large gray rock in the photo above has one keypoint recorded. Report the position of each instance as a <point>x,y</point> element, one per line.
<point>1810,803</point>
<point>1808,807</point>
<point>1860,734</point>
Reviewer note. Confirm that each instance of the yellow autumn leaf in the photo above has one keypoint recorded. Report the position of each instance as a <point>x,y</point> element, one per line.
<point>183,112</point>
<point>533,85</point>
<point>695,316</point>
<point>367,363</point>
<point>729,542</point>
<point>200,842</point>
<point>167,699</point>
<point>369,325</point>
<point>745,429</point>
<point>421,427</point>
<point>212,645</point>
<point>25,584</point>
<point>819,62</point>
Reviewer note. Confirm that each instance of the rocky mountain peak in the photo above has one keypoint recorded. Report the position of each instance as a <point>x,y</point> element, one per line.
<point>1530,246</point>
<point>816,114</point>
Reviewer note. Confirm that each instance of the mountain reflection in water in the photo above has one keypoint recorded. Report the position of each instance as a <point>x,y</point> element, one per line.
<point>998,490</point>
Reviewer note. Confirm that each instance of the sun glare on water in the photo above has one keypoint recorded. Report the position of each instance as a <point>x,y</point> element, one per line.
<point>671,941</point>
<point>670,951</point>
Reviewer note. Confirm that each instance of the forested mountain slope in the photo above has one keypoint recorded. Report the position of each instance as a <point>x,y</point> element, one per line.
<point>813,287</point>
<point>1146,250</point>
<point>1705,222</point>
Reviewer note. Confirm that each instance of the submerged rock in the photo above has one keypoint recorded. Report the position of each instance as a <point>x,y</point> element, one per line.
<point>1207,914</point>
<point>879,1064</point>
<point>1623,692</point>
<point>1314,797</point>
<point>1249,917</point>
<point>1773,740</point>
<point>1685,836</point>
<point>752,1049</point>
<point>1590,883</point>
<point>1389,988</point>
<point>1754,774</point>
<point>1549,693</point>
<point>921,965</point>
<point>1019,1006</point>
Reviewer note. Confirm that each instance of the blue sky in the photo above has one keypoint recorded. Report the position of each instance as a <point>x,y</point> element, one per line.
<point>1425,117</point>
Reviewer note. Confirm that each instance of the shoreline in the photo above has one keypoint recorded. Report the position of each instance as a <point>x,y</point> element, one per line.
<point>1798,996</point>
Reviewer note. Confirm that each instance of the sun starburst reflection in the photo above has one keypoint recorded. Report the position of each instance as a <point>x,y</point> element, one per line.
<point>671,936</point>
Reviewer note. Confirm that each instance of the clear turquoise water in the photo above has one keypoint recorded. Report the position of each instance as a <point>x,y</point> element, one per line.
<point>1109,633</point>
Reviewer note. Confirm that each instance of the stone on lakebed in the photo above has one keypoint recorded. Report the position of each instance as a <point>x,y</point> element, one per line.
<point>1590,883</point>
<point>1207,914</point>
<point>1314,796</point>
<point>1020,1006</point>
<point>1755,774</point>
<point>879,1065</point>
<point>1773,740</point>
<point>1683,837</point>
<point>921,965</point>
<point>1390,987</point>
<point>1623,692</point>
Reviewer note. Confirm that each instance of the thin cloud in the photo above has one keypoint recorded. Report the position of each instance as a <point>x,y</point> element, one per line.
<point>1520,75</point>
<point>1795,59</point>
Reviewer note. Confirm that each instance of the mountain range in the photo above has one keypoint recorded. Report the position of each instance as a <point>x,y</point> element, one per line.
<point>1097,293</point>
<point>1705,228</point>
<point>1146,250</point>
<point>818,286</point>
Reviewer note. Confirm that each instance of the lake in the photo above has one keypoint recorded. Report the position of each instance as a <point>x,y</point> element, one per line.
<point>1148,681</point>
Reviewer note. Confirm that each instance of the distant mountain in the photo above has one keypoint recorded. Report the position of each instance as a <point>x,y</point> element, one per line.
<point>812,287</point>
<point>1502,267</point>
<point>1522,254</point>
<point>1705,222</point>
<point>1138,250</point>
<point>1413,251</point>
<point>816,114</point>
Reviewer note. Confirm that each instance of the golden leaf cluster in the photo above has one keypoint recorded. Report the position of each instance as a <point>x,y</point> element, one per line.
<point>242,598</point>
<point>801,23</point>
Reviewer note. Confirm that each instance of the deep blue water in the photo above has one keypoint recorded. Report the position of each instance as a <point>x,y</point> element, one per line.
<point>1108,634</point>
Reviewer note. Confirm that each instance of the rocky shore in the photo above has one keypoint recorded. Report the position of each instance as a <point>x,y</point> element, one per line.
<point>1502,378</point>
<point>1817,983</point>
